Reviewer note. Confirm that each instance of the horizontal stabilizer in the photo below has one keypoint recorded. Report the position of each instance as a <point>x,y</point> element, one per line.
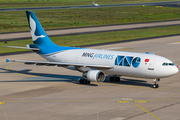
<point>22,47</point>
<point>59,64</point>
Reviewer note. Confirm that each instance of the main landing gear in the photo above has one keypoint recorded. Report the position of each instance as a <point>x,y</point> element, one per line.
<point>156,83</point>
<point>114,79</point>
<point>84,81</point>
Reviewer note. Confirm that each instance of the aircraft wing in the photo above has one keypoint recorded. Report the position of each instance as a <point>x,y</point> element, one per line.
<point>48,63</point>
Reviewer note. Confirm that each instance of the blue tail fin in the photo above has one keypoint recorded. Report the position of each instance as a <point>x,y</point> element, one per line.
<point>38,34</point>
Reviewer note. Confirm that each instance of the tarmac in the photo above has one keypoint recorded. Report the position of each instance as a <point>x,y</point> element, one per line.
<point>53,93</point>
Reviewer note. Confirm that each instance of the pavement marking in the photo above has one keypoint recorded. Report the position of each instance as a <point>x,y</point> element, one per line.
<point>79,100</point>
<point>36,101</point>
<point>140,101</point>
<point>122,101</point>
<point>173,43</point>
<point>118,101</point>
<point>1,103</point>
<point>147,111</point>
<point>128,101</point>
<point>176,42</point>
<point>118,118</point>
<point>126,49</point>
<point>120,48</point>
<point>114,48</point>
<point>10,101</point>
<point>164,100</point>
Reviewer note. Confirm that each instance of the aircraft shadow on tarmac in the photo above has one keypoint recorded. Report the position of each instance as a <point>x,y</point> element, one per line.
<point>44,77</point>
<point>132,82</point>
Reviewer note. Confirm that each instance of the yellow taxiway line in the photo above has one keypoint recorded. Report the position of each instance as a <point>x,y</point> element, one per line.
<point>147,111</point>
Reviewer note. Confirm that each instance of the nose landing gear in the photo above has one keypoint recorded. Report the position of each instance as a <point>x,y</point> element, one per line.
<point>156,83</point>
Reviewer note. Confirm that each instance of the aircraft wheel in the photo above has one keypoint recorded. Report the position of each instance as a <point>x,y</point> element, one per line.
<point>117,79</point>
<point>81,81</point>
<point>111,79</point>
<point>84,81</point>
<point>155,86</point>
<point>88,82</point>
<point>114,79</point>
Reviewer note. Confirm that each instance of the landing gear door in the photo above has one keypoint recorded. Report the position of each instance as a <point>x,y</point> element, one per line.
<point>151,64</point>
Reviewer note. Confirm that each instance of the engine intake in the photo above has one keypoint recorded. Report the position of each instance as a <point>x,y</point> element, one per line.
<point>94,76</point>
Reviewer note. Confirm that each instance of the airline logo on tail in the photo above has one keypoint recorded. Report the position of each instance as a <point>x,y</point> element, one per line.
<point>33,29</point>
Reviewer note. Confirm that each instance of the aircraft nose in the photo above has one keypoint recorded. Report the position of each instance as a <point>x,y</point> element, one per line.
<point>171,70</point>
<point>175,70</point>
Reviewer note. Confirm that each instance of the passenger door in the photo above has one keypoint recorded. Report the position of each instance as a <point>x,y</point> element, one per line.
<point>151,64</point>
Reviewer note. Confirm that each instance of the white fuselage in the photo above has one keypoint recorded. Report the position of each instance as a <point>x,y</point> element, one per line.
<point>124,63</point>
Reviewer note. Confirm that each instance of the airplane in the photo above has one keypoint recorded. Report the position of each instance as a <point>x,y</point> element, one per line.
<point>95,4</point>
<point>95,64</point>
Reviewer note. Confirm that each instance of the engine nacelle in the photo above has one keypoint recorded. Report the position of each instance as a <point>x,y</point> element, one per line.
<point>94,76</point>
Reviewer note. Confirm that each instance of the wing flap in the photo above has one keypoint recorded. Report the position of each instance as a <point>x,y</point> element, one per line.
<point>60,64</point>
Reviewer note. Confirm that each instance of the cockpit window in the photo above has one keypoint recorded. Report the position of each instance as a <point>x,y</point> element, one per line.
<point>168,64</point>
<point>171,64</point>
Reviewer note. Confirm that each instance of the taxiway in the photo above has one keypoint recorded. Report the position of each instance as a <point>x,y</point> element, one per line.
<point>89,30</point>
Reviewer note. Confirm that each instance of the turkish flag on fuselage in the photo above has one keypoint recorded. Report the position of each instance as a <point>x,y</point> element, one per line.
<point>146,60</point>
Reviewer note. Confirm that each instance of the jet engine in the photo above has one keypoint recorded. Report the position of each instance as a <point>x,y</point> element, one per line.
<point>94,76</point>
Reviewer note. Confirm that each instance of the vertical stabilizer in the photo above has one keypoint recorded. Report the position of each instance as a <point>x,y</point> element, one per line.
<point>38,34</point>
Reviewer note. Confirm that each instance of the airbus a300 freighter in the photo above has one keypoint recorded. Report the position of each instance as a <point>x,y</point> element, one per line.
<point>93,63</point>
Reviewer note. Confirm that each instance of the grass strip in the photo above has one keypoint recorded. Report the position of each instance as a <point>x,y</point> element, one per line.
<point>16,21</point>
<point>86,39</point>
<point>48,3</point>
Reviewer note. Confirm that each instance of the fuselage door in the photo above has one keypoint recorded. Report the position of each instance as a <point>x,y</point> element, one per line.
<point>151,64</point>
